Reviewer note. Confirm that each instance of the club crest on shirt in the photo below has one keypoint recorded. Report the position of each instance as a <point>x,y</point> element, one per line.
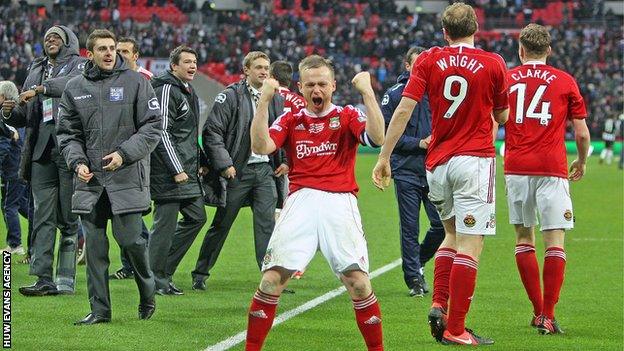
<point>334,122</point>
<point>567,215</point>
<point>470,221</point>
<point>116,94</point>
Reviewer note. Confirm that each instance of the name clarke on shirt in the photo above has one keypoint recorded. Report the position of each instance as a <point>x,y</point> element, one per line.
<point>534,73</point>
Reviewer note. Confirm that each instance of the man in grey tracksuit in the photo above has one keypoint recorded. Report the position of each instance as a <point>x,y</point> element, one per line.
<point>175,172</point>
<point>42,164</point>
<point>109,123</point>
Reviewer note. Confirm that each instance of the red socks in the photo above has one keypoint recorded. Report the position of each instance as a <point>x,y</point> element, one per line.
<point>260,319</point>
<point>463,279</point>
<point>529,273</point>
<point>554,269</point>
<point>368,317</point>
<point>441,274</point>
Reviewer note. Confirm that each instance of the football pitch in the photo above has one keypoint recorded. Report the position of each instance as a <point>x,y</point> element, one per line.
<point>591,308</point>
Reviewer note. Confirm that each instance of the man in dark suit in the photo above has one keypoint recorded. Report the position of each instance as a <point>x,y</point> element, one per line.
<point>250,177</point>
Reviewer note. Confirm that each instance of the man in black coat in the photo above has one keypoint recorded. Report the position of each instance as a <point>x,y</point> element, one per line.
<point>410,182</point>
<point>109,123</point>
<point>42,164</point>
<point>250,177</point>
<point>176,169</point>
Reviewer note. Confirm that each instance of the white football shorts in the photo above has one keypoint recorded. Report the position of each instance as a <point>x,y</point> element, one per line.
<point>318,220</point>
<point>548,197</point>
<point>464,187</point>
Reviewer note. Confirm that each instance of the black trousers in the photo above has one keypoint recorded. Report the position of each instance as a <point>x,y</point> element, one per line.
<point>127,233</point>
<point>413,253</point>
<point>256,185</point>
<point>171,239</point>
<point>52,189</point>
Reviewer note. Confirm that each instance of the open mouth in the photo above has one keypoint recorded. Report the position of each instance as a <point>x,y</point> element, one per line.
<point>317,101</point>
<point>190,73</point>
<point>108,61</point>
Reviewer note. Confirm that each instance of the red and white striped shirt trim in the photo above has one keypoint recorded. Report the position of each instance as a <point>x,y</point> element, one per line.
<point>466,262</point>
<point>555,253</point>
<point>524,248</point>
<point>266,298</point>
<point>445,253</point>
<point>362,304</point>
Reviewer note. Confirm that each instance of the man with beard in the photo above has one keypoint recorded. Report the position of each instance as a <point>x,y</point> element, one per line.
<point>42,164</point>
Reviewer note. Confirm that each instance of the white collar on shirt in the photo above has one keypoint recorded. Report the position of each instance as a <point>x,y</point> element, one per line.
<point>462,45</point>
<point>322,114</point>
<point>534,62</point>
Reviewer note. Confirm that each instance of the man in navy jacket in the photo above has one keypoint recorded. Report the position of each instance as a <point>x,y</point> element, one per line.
<point>410,181</point>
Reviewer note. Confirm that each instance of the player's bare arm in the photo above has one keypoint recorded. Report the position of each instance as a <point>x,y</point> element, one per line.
<point>581,135</point>
<point>375,121</point>
<point>381,172</point>
<point>261,142</point>
<point>501,116</point>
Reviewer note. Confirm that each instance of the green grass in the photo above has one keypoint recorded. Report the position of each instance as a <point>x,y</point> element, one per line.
<point>590,308</point>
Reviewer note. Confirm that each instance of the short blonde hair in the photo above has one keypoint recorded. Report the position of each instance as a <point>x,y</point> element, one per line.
<point>459,20</point>
<point>316,61</point>
<point>252,56</point>
<point>535,39</point>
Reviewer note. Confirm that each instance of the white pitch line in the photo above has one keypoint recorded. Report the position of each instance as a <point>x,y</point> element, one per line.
<point>240,337</point>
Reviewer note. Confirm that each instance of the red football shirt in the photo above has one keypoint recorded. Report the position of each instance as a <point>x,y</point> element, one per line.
<point>292,101</point>
<point>321,149</point>
<point>147,74</point>
<point>464,85</point>
<point>542,100</point>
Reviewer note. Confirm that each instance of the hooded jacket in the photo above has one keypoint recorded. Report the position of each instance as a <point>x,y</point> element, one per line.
<point>102,112</point>
<point>408,158</point>
<point>227,141</point>
<point>39,135</point>
<point>178,150</point>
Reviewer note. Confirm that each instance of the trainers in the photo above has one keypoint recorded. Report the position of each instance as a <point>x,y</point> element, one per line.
<point>468,337</point>
<point>417,290</point>
<point>546,326</point>
<point>534,321</point>
<point>121,273</point>
<point>437,322</point>
<point>297,275</point>
<point>25,260</point>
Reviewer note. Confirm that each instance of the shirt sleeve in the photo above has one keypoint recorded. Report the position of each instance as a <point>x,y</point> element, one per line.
<point>576,104</point>
<point>417,83</point>
<point>501,89</point>
<point>280,128</point>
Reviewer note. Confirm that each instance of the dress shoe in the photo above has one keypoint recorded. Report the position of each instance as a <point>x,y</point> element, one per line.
<point>174,290</point>
<point>40,288</point>
<point>147,309</point>
<point>92,319</point>
<point>199,285</point>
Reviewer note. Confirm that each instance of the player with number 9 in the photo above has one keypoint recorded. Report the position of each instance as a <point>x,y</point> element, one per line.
<point>542,99</point>
<point>466,87</point>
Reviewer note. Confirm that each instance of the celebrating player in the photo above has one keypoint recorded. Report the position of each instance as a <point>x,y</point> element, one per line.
<point>542,100</point>
<point>466,86</point>
<point>321,142</point>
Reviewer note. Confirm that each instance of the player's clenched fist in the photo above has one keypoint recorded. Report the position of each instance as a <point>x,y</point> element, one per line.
<point>362,82</point>
<point>269,87</point>
<point>381,174</point>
